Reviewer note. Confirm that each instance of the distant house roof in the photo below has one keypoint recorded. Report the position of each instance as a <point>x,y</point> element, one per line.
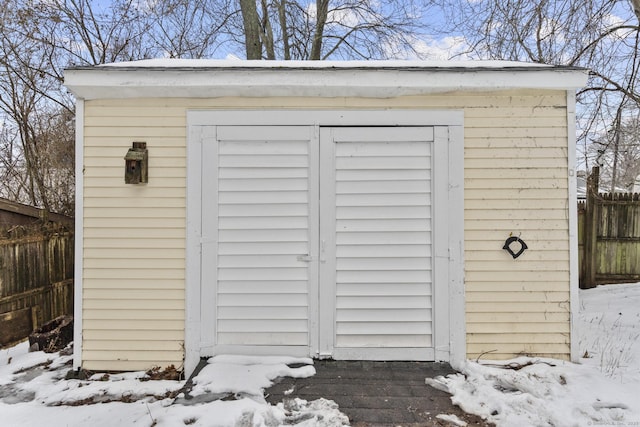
<point>201,78</point>
<point>13,213</point>
<point>581,190</point>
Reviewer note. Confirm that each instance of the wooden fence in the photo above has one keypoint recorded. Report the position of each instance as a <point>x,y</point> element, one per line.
<point>36,278</point>
<point>608,236</point>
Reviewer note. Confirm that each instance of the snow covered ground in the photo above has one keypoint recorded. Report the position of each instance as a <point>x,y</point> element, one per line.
<point>603,390</point>
<point>34,392</point>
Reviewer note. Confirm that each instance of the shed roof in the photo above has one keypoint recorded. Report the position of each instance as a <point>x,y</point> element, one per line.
<point>201,78</point>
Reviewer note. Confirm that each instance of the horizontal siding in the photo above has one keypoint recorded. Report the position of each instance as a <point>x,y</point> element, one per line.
<point>498,273</point>
<point>132,335</point>
<point>551,298</point>
<point>514,307</point>
<point>163,283</point>
<point>132,345</point>
<point>142,325</point>
<point>158,305</point>
<point>134,243</point>
<point>110,357</point>
<point>559,316</point>
<point>533,338</point>
<point>509,214</point>
<point>542,267</point>
<point>515,182</point>
<point>137,314</point>
<point>528,286</point>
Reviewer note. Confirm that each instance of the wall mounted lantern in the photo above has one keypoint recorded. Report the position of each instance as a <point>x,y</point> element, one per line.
<point>136,164</point>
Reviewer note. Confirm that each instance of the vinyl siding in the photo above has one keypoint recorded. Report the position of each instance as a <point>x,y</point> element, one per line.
<point>515,182</point>
<point>134,243</point>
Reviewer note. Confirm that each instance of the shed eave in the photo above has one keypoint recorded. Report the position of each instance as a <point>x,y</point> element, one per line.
<point>144,82</point>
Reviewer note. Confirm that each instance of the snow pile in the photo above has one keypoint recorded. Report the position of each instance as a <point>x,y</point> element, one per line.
<point>247,375</point>
<point>542,392</point>
<point>33,391</point>
<point>602,390</point>
<point>40,377</point>
<point>249,413</point>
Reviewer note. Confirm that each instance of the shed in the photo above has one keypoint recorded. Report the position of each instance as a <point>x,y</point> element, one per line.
<point>346,210</point>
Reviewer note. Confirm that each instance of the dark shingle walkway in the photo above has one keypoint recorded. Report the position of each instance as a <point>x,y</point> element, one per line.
<point>377,393</point>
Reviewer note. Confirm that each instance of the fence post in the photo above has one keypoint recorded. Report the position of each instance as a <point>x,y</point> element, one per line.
<point>591,229</point>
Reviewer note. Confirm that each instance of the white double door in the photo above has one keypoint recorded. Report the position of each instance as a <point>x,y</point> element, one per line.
<point>319,240</point>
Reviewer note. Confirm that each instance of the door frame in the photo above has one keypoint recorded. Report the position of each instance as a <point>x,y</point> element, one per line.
<point>449,321</point>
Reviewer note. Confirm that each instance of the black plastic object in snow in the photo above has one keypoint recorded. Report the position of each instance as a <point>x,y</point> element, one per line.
<point>511,240</point>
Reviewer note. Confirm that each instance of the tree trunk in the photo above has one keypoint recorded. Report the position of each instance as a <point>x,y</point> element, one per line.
<point>322,8</point>
<point>282,14</point>
<point>251,23</point>
<point>267,32</point>
<point>636,8</point>
<point>616,149</point>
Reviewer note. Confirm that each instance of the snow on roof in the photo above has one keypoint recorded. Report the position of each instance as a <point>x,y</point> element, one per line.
<point>205,78</point>
<point>226,63</point>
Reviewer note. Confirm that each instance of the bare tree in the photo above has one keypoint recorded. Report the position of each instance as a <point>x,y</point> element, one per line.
<point>24,87</point>
<point>618,154</point>
<point>187,28</point>
<point>84,32</point>
<point>38,39</point>
<point>602,35</point>
<point>11,164</point>
<point>332,29</point>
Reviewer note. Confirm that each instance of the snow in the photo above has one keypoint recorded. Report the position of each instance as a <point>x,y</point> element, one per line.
<point>452,419</point>
<point>610,331</point>
<point>602,389</point>
<point>235,63</point>
<point>210,78</point>
<point>247,375</point>
<point>33,388</point>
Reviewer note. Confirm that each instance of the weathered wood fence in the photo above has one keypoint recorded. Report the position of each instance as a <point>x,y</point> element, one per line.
<point>36,278</point>
<point>608,236</point>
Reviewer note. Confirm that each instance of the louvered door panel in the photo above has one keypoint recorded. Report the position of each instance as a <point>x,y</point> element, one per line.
<point>263,228</point>
<point>381,232</point>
